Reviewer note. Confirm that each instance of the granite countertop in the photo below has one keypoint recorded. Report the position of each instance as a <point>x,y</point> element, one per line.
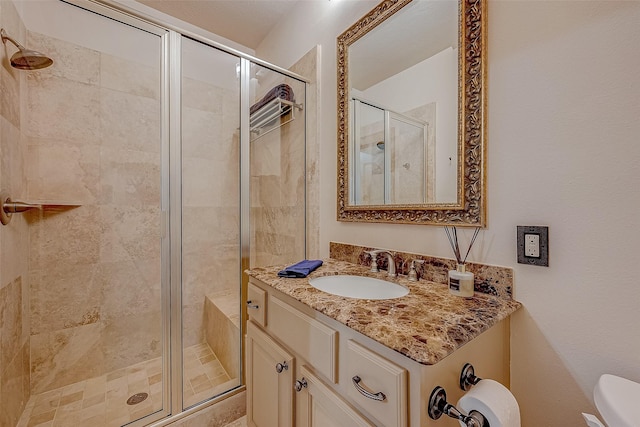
<point>426,325</point>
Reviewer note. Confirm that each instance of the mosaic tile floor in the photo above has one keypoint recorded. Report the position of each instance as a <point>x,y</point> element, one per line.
<point>204,375</point>
<point>101,401</point>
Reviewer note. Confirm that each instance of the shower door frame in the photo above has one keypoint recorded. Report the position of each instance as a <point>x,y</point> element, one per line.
<point>171,196</point>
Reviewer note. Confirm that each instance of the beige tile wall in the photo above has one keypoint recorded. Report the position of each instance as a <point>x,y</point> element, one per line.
<point>14,279</point>
<point>222,329</point>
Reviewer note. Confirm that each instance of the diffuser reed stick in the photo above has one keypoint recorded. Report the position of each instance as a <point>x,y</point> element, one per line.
<point>453,241</point>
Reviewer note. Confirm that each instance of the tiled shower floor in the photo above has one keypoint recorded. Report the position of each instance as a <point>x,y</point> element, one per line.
<point>101,401</point>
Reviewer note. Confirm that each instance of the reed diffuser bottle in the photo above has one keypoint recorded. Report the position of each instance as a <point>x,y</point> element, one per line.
<point>460,280</point>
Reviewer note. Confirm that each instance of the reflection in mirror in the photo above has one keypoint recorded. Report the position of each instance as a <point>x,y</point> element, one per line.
<point>411,114</point>
<point>418,84</point>
<point>390,164</point>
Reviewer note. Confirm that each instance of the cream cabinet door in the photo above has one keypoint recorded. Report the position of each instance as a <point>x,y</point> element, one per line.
<point>319,406</point>
<point>270,371</point>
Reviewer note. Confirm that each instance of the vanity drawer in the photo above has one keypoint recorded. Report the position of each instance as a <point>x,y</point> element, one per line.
<point>313,341</point>
<point>256,309</point>
<point>370,373</point>
<point>319,405</point>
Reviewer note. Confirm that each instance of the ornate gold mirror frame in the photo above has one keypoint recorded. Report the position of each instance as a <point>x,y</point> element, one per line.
<point>470,210</point>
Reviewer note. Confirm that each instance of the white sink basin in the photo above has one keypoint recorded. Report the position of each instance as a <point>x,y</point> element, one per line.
<point>618,400</point>
<point>358,287</point>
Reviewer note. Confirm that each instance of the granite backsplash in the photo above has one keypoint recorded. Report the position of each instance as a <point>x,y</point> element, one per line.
<point>489,279</point>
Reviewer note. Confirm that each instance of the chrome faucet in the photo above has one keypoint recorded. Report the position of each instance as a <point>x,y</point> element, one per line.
<point>391,269</point>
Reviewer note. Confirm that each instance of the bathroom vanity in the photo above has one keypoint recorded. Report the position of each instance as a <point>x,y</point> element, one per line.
<point>317,359</point>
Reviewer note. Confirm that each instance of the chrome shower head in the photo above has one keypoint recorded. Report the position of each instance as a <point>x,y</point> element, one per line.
<point>25,59</point>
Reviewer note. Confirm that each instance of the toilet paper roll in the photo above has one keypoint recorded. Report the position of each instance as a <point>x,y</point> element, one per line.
<point>494,401</point>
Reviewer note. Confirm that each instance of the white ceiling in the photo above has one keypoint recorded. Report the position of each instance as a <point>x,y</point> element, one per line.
<point>243,21</point>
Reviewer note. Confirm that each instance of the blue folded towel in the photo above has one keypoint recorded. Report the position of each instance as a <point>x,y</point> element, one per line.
<point>300,269</point>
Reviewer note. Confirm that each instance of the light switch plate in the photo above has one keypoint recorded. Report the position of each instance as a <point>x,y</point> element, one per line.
<point>543,240</point>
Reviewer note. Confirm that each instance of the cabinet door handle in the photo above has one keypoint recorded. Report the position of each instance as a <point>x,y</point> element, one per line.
<point>379,396</point>
<point>250,305</point>
<point>282,367</point>
<point>300,384</point>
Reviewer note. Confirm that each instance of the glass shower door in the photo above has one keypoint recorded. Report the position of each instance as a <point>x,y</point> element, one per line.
<point>277,129</point>
<point>243,201</point>
<point>94,129</point>
<point>369,154</point>
<point>389,157</point>
<point>211,263</point>
<point>406,169</point>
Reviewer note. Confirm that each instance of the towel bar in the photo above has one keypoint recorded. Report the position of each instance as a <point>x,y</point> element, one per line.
<point>269,112</point>
<point>9,207</point>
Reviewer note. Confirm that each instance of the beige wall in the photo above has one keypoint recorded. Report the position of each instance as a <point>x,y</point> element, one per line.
<point>564,102</point>
<point>14,237</point>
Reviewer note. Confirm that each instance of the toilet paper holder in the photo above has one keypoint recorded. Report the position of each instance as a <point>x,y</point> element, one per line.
<point>439,406</point>
<point>468,377</point>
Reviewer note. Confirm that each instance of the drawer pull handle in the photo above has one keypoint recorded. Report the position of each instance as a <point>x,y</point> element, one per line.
<point>379,396</point>
<point>300,384</point>
<point>254,306</point>
<point>282,367</point>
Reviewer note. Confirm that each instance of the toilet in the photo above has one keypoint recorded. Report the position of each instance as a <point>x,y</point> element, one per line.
<point>617,401</point>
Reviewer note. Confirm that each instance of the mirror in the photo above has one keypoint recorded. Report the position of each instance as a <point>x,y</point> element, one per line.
<point>411,113</point>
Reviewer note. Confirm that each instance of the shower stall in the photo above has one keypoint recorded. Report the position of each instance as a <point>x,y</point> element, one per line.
<point>161,165</point>
<point>392,155</point>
